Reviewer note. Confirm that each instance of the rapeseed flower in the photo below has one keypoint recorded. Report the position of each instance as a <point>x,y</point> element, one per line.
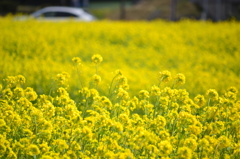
<point>155,91</point>
<point>7,93</point>
<point>33,150</point>
<point>2,123</point>
<point>184,153</point>
<point>200,100</point>
<point>62,79</point>
<point>2,149</point>
<point>20,79</point>
<point>76,60</point>
<point>212,94</point>
<point>233,90</point>
<point>164,135</point>
<point>60,145</point>
<point>180,79</point>
<point>143,94</point>
<point>11,81</point>
<point>30,94</point>
<point>96,79</point>
<point>191,143</point>
<point>223,142</point>
<point>121,81</point>
<point>11,155</point>
<point>165,148</point>
<point>97,59</point>
<point>18,92</point>
<point>165,76</point>
<point>164,122</point>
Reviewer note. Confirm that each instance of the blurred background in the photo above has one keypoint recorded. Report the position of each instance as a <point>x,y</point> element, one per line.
<point>215,10</point>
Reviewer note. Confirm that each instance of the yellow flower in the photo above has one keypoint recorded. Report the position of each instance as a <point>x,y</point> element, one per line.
<point>25,142</point>
<point>44,147</point>
<point>143,94</point>
<point>165,148</point>
<point>106,103</point>
<point>122,94</point>
<point>200,100</point>
<point>184,153</point>
<point>96,79</point>
<point>76,60</point>
<point>71,154</point>
<point>97,59</point>
<point>213,94</point>
<point>165,76</point>
<point>121,80</point>
<point>2,149</point>
<point>223,142</point>
<point>190,143</point>
<point>33,150</point>
<point>94,93</point>
<point>155,91</point>
<point>194,129</point>
<point>11,155</point>
<point>233,90</point>
<point>7,93</point>
<point>46,157</point>
<point>110,155</point>
<point>231,95</point>
<point>62,78</point>
<point>60,144</point>
<point>75,146</point>
<point>180,79</point>
<point>20,79</point>
<point>87,131</point>
<point>164,135</point>
<point>203,143</point>
<point>27,132</point>
<point>118,72</point>
<point>30,94</point>
<point>152,149</point>
<point>124,117</point>
<point>164,100</point>
<point>226,156</point>
<point>119,127</point>
<point>18,92</point>
<point>161,121</point>
<point>11,81</point>
<point>45,135</point>
<point>2,123</point>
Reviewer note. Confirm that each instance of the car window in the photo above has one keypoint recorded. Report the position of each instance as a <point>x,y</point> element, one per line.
<point>65,14</point>
<point>48,14</point>
<point>58,14</point>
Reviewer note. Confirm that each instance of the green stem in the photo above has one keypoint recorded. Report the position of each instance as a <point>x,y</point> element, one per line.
<point>79,77</point>
<point>160,82</point>
<point>96,67</point>
<point>209,101</point>
<point>112,85</point>
<point>216,150</point>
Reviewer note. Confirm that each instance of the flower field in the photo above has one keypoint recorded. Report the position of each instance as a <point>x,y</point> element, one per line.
<point>119,89</point>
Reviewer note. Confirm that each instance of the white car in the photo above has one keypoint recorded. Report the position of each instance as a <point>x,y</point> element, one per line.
<point>63,13</point>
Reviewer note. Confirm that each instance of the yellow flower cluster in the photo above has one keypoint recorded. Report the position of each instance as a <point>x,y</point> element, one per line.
<point>207,53</point>
<point>163,122</point>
